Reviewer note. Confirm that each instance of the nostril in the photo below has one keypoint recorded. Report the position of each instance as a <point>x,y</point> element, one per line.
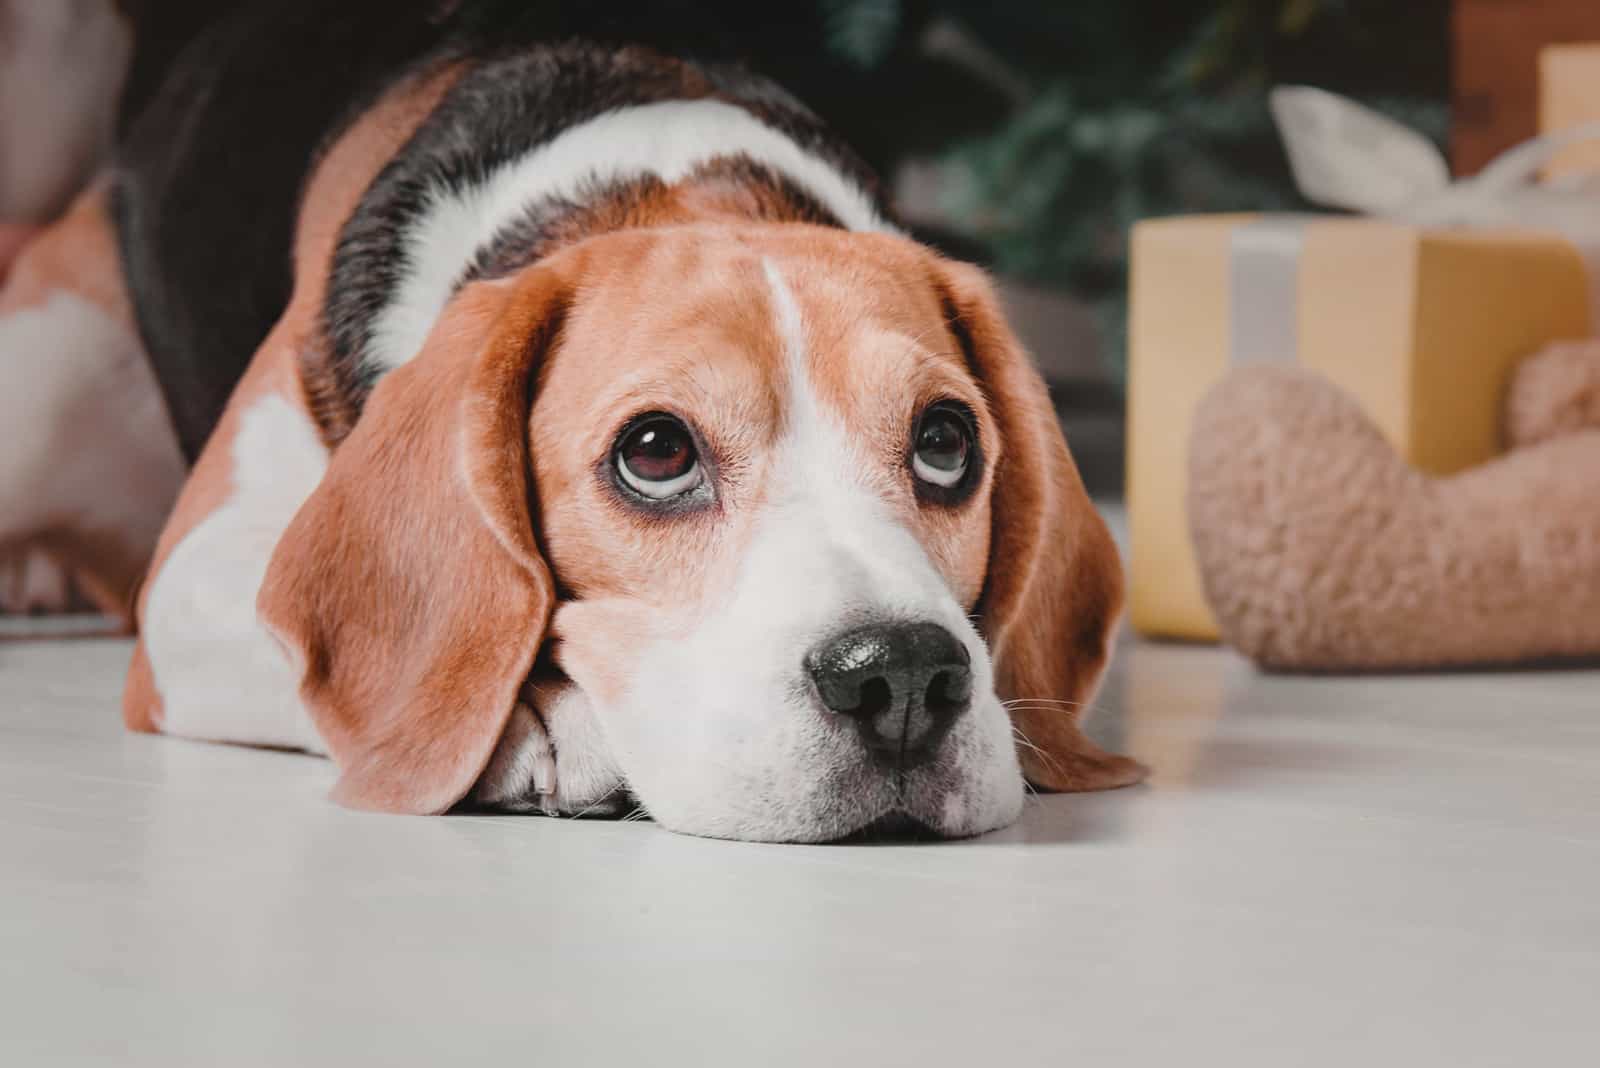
<point>948,691</point>
<point>876,697</point>
<point>903,685</point>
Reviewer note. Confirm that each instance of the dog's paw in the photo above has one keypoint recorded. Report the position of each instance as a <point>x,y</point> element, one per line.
<point>527,774</point>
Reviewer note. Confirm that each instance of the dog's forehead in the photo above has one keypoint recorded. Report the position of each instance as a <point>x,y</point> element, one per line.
<point>638,296</point>
<point>706,300</point>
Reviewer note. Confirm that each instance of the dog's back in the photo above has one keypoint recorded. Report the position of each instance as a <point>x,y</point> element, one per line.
<point>212,165</point>
<point>215,153</point>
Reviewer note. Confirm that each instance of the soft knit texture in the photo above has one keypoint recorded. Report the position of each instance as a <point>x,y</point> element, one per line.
<point>1321,550</point>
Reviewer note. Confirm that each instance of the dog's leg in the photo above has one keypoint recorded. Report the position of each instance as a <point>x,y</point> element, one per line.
<point>91,464</point>
<point>551,761</point>
<point>206,667</point>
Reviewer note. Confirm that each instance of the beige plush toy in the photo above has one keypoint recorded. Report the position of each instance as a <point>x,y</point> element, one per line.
<point>1320,549</point>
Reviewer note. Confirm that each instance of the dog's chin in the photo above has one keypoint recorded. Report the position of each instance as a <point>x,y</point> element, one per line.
<point>892,827</point>
<point>895,827</point>
<point>828,790</point>
<point>765,766</point>
<point>861,808</point>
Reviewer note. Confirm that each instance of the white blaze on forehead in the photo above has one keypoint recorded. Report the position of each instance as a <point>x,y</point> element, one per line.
<point>667,139</point>
<point>812,440</point>
<point>826,484</point>
<point>791,330</point>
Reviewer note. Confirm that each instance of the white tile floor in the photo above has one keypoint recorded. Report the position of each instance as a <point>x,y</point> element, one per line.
<point>1400,871</point>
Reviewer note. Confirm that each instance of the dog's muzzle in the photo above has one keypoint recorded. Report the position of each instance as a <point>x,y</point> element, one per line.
<point>902,684</point>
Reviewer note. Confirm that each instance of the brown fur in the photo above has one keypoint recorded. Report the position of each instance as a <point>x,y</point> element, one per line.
<point>409,674</point>
<point>411,588</point>
<point>635,579</point>
<point>399,664</point>
<point>335,187</point>
<point>1054,582</point>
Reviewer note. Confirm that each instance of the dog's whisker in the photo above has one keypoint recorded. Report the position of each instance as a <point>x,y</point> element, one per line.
<point>1044,757</point>
<point>1023,740</point>
<point>1041,701</point>
<point>1038,704</point>
<point>1053,708</point>
<point>597,802</point>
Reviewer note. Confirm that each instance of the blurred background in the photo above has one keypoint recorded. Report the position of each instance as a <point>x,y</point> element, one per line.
<point>1025,134</point>
<point>1030,135</point>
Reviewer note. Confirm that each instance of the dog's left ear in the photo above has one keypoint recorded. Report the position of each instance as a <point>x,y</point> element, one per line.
<point>409,590</point>
<point>1053,592</point>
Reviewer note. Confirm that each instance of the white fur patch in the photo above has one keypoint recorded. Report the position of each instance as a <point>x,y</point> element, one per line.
<point>667,139</point>
<point>221,675</point>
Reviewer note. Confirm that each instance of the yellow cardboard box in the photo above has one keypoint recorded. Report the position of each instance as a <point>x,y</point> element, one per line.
<point>1421,325</point>
<point>1569,94</point>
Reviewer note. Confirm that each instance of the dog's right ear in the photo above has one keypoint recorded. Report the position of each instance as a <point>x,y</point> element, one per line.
<point>1053,593</point>
<point>409,589</point>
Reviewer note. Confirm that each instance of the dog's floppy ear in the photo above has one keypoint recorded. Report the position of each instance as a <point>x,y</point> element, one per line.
<point>409,589</point>
<point>1053,592</point>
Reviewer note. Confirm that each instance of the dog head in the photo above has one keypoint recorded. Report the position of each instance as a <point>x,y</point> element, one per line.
<point>778,520</point>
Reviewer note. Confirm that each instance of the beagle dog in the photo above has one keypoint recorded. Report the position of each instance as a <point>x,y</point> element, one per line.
<point>572,429</point>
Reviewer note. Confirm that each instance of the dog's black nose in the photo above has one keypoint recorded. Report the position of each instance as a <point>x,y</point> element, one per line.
<point>903,684</point>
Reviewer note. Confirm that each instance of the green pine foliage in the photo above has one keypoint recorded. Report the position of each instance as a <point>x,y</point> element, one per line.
<point>1063,123</point>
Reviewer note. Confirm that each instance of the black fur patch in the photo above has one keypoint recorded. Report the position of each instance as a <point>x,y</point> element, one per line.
<point>499,111</point>
<point>214,157</point>
<point>208,176</point>
<point>495,113</point>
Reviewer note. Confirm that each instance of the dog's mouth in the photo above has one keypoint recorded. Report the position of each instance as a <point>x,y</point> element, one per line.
<point>891,828</point>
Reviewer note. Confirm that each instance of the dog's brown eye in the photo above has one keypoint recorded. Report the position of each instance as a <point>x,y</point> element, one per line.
<point>943,447</point>
<point>656,457</point>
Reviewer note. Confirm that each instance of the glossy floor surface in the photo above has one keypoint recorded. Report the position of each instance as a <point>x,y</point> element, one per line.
<point>1400,871</point>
